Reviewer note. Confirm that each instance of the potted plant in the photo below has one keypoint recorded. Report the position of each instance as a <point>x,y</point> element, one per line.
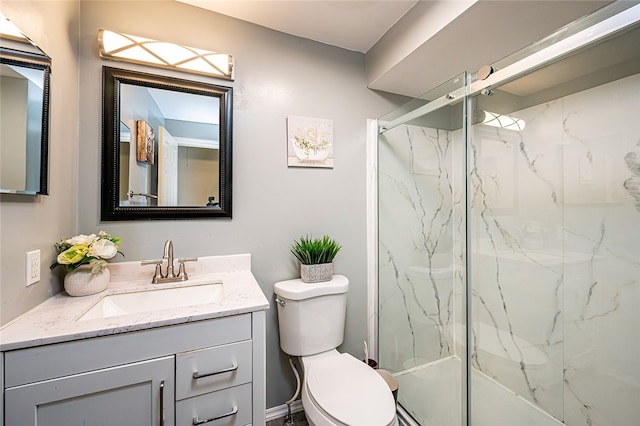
<point>316,257</point>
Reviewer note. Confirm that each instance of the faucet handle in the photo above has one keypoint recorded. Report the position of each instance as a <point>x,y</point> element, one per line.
<point>182,273</point>
<point>158,271</point>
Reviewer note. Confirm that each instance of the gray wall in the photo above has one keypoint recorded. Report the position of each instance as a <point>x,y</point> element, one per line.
<point>30,223</point>
<point>276,75</point>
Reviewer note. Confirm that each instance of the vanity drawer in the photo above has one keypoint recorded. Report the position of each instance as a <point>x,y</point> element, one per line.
<point>40,363</point>
<point>230,407</point>
<point>212,369</point>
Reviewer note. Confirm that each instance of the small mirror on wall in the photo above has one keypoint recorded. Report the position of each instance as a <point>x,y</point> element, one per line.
<point>24,113</point>
<point>166,147</point>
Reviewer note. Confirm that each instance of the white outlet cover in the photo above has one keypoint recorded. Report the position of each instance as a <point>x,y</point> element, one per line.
<point>32,267</point>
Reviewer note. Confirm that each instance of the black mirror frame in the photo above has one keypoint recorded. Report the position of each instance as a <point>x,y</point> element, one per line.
<point>111,210</point>
<point>40,62</point>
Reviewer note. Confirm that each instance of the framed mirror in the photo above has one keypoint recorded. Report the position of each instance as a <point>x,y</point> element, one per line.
<point>166,151</point>
<point>25,72</point>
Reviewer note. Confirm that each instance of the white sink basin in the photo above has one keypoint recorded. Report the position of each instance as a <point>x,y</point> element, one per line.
<point>155,300</point>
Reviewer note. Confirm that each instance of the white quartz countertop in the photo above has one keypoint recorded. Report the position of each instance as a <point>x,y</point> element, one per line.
<point>56,319</point>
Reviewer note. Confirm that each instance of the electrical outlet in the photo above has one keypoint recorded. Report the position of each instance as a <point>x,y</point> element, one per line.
<point>32,267</point>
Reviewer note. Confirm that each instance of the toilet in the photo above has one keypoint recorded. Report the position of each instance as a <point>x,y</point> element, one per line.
<point>337,388</point>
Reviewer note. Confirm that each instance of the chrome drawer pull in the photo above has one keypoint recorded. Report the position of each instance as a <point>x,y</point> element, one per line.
<point>197,421</point>
<point>234,367</point>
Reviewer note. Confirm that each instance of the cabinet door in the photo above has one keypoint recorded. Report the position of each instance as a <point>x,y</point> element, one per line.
<point>2,387</point>
<point>134,394</point>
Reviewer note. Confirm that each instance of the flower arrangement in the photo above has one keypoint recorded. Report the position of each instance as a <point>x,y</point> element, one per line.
<point>312,138</point>
<point>86,249</point>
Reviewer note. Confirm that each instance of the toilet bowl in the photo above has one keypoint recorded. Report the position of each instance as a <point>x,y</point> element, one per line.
<point>341,390</point>
<point>337,389</point>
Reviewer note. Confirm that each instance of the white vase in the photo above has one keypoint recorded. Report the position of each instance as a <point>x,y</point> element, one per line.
<point>316,273</point>
<point>319,154</point>
<point>81,282</point>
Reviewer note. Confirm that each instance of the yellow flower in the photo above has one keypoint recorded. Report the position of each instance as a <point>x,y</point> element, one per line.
<point>74,254</point>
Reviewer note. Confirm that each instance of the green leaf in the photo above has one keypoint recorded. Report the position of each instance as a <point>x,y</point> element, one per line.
<point>310,251</point>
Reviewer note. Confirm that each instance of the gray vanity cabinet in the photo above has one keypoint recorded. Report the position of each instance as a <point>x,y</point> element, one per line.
<point>210,371</point>
<point>135,394</point>
<point>2,386</point>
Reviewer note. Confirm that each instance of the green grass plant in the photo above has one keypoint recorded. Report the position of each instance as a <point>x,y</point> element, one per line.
<point>315,251</point>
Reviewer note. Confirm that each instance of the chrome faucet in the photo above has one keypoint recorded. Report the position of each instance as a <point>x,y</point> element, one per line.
<point>168,256</point>
<point>170,275</point>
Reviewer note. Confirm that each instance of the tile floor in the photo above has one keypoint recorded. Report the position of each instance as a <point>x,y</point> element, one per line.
<point>298,420</point>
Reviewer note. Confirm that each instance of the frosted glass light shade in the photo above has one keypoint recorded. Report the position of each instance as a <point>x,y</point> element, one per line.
<point>139,50</point>
<point>503,121</point>
<point>9,30</point>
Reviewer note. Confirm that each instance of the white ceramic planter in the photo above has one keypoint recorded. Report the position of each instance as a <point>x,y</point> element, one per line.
<point>81,282</point>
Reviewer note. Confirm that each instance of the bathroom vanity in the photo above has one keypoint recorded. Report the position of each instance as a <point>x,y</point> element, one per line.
<point>194,363</point>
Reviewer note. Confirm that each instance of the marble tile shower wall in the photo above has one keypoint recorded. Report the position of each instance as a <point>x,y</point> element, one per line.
<point>420,244</point>
<point>555,255</point>
<point>555,226</point>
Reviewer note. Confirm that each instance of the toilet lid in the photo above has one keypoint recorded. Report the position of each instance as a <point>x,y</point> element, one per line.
<point>350,391</point>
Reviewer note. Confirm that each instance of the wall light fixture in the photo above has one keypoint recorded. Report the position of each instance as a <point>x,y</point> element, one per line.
<point>139,50</point>
<point>9,30</point>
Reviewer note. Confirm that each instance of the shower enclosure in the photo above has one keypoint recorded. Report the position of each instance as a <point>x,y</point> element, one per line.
<point>508,255</point>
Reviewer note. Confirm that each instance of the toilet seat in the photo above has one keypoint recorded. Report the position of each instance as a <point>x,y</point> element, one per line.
<point>349,391</point>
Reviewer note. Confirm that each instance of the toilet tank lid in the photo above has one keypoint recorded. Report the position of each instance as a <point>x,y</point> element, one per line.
<point>299,290</point>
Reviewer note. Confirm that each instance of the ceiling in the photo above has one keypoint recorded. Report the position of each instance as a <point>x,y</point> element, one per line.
<point>412,46</point>
<point>353,25</point>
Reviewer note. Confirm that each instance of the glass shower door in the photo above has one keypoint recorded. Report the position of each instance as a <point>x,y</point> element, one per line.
<point>421,253</point>
<point>555,178</point>
<point>517,272</point>
<point>508,216</point>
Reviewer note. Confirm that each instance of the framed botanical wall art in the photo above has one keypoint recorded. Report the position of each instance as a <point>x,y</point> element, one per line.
<point>309,142</point>
<point>145,142</point>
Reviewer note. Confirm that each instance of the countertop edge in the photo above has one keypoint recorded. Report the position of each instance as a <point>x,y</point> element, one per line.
<point>128,329</point>
<point>58,319</point>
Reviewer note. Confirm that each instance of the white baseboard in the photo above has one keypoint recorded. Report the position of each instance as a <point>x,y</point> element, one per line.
<point>281,410</point>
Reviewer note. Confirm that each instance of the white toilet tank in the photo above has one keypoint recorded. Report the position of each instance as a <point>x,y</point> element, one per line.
<point>311,315</point>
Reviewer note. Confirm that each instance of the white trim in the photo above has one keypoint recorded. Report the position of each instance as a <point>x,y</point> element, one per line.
<point>197,143</point>
<point>372,237</point>
<point>280,411</point>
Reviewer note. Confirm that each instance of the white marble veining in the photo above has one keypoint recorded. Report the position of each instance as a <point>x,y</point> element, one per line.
<point>555,255</point>
<point>56,319</point>
<point>555,260</point>
<point>420,253</point>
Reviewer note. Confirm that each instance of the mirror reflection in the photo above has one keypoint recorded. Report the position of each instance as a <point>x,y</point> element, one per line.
<point>183,165</point>
<point>24,111</point>
<point>167,147</point>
